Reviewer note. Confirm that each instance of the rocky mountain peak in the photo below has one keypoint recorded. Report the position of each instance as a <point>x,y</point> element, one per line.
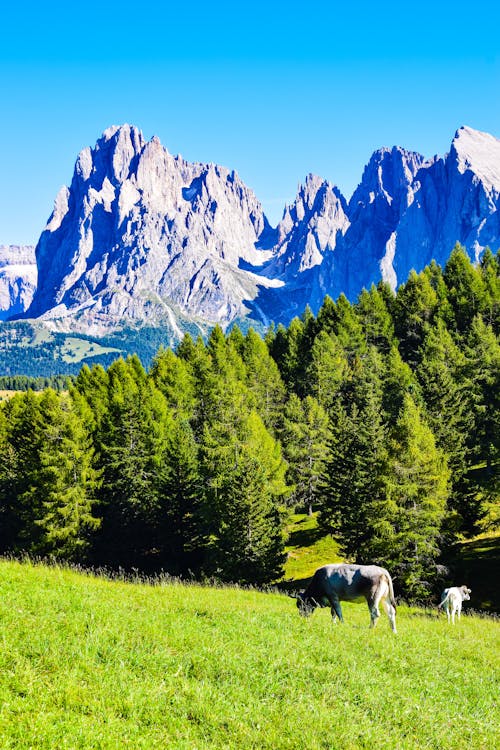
<point>142,236</point>
<point>388,175</point>
<point>479,153</point>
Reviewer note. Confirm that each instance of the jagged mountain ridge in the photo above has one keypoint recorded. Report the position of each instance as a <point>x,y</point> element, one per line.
<point>143,237</point>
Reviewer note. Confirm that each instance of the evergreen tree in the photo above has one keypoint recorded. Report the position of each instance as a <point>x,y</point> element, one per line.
<point>348,328</point>
<point>304,436</point>
<point>398,380</point>
<point>245,482</point>
<point>66,481</point>
<point>407,535</point>
<point>172,376</point>
<point>375,319</point>
<point>447,404</point>
<point>415,308</point>
<point>328,369</point>
<point>327,316</point>
<point>20,459</point>
<point>483,438</point>
<point>490,272</point>
<point>263,380</point>
<point>291,360</point>
<point>134,440</point>
<point>466,289</point>
<point>181,524</point>
<point>355,474</point>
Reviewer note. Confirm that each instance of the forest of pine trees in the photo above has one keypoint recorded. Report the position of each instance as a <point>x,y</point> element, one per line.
<point>382,416</point>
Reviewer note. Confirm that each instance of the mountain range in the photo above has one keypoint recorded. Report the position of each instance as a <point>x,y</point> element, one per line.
<point>144,238</point>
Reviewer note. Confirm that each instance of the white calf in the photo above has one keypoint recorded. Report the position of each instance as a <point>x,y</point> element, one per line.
<point>451,600</point>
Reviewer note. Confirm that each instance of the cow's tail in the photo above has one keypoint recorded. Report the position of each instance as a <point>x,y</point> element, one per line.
<point>443,601</point>
<point>391,591</point>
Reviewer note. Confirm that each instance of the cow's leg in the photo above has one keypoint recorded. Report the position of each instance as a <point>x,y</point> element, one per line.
<point>373,601</point>
<point>459,609</point>
<point>391,614</point>
<point>336,609</point>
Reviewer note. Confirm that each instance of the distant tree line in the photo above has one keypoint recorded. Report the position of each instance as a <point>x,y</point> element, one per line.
<point>25,382</point>
<point>381,415</point>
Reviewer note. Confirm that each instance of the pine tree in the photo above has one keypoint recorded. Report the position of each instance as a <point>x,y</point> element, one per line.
<point>398,380</point>
<point>483,438</point>
<point>263,380</point>
<point>8,484</point>
<point>172,376</point>
<point>375,319</point>
<point>181,525</point>
<point>245,481</point>
<point>348,328</point>
<point>134,440</point>
<point>447,404</point>
<point>490,273</point>
<point>355,474</point>
<point>66,481</point>
<point>304,437</point>
<point>407,539</point>
<point>23,441</point>
<point>415,308</point>
<point>328,369</point>
<point>467,293</point>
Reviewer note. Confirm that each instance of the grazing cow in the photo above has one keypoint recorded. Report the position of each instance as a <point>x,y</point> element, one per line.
<point>332,584</point>
<point>451,600</point>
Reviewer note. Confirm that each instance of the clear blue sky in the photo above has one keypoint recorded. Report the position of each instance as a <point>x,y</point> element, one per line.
<point>274,90</point>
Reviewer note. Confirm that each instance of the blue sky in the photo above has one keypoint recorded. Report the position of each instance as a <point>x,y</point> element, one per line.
<point>273,90</point>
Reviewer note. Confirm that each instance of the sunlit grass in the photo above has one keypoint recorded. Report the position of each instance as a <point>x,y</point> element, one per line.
<point>307,548</point>
<point>92,663</point>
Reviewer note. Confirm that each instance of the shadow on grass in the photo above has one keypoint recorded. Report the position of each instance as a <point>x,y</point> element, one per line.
<point>303,535</point>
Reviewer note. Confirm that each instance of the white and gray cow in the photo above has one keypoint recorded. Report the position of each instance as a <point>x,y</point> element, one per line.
<point>451,601</point>
<point>332,584</point>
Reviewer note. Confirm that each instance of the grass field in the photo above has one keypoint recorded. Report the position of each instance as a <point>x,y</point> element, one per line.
<point>92,663</point>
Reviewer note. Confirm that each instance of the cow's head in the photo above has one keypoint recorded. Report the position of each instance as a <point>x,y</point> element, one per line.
<point>465,592</point>
<point>306,604</point>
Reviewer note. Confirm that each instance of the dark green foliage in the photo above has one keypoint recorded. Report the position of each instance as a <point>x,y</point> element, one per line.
<point>355,473</point>
<point>180,529</point>
<point>304,436</point>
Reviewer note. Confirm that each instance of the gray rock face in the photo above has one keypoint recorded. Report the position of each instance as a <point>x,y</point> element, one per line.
<point>141,236</point>
<point>455,198</point>
<point>18,279</point>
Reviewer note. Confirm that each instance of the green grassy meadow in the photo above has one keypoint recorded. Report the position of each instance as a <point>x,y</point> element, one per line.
<point>92,663</point>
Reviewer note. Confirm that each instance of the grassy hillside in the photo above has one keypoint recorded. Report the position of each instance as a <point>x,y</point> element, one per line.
<point>91,663</point>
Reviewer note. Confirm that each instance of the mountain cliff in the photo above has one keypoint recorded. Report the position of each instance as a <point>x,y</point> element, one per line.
<point>18,279</point>
<point>142,237</point>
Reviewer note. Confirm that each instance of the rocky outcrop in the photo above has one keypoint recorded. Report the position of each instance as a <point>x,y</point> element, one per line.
<point>18,279</point>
